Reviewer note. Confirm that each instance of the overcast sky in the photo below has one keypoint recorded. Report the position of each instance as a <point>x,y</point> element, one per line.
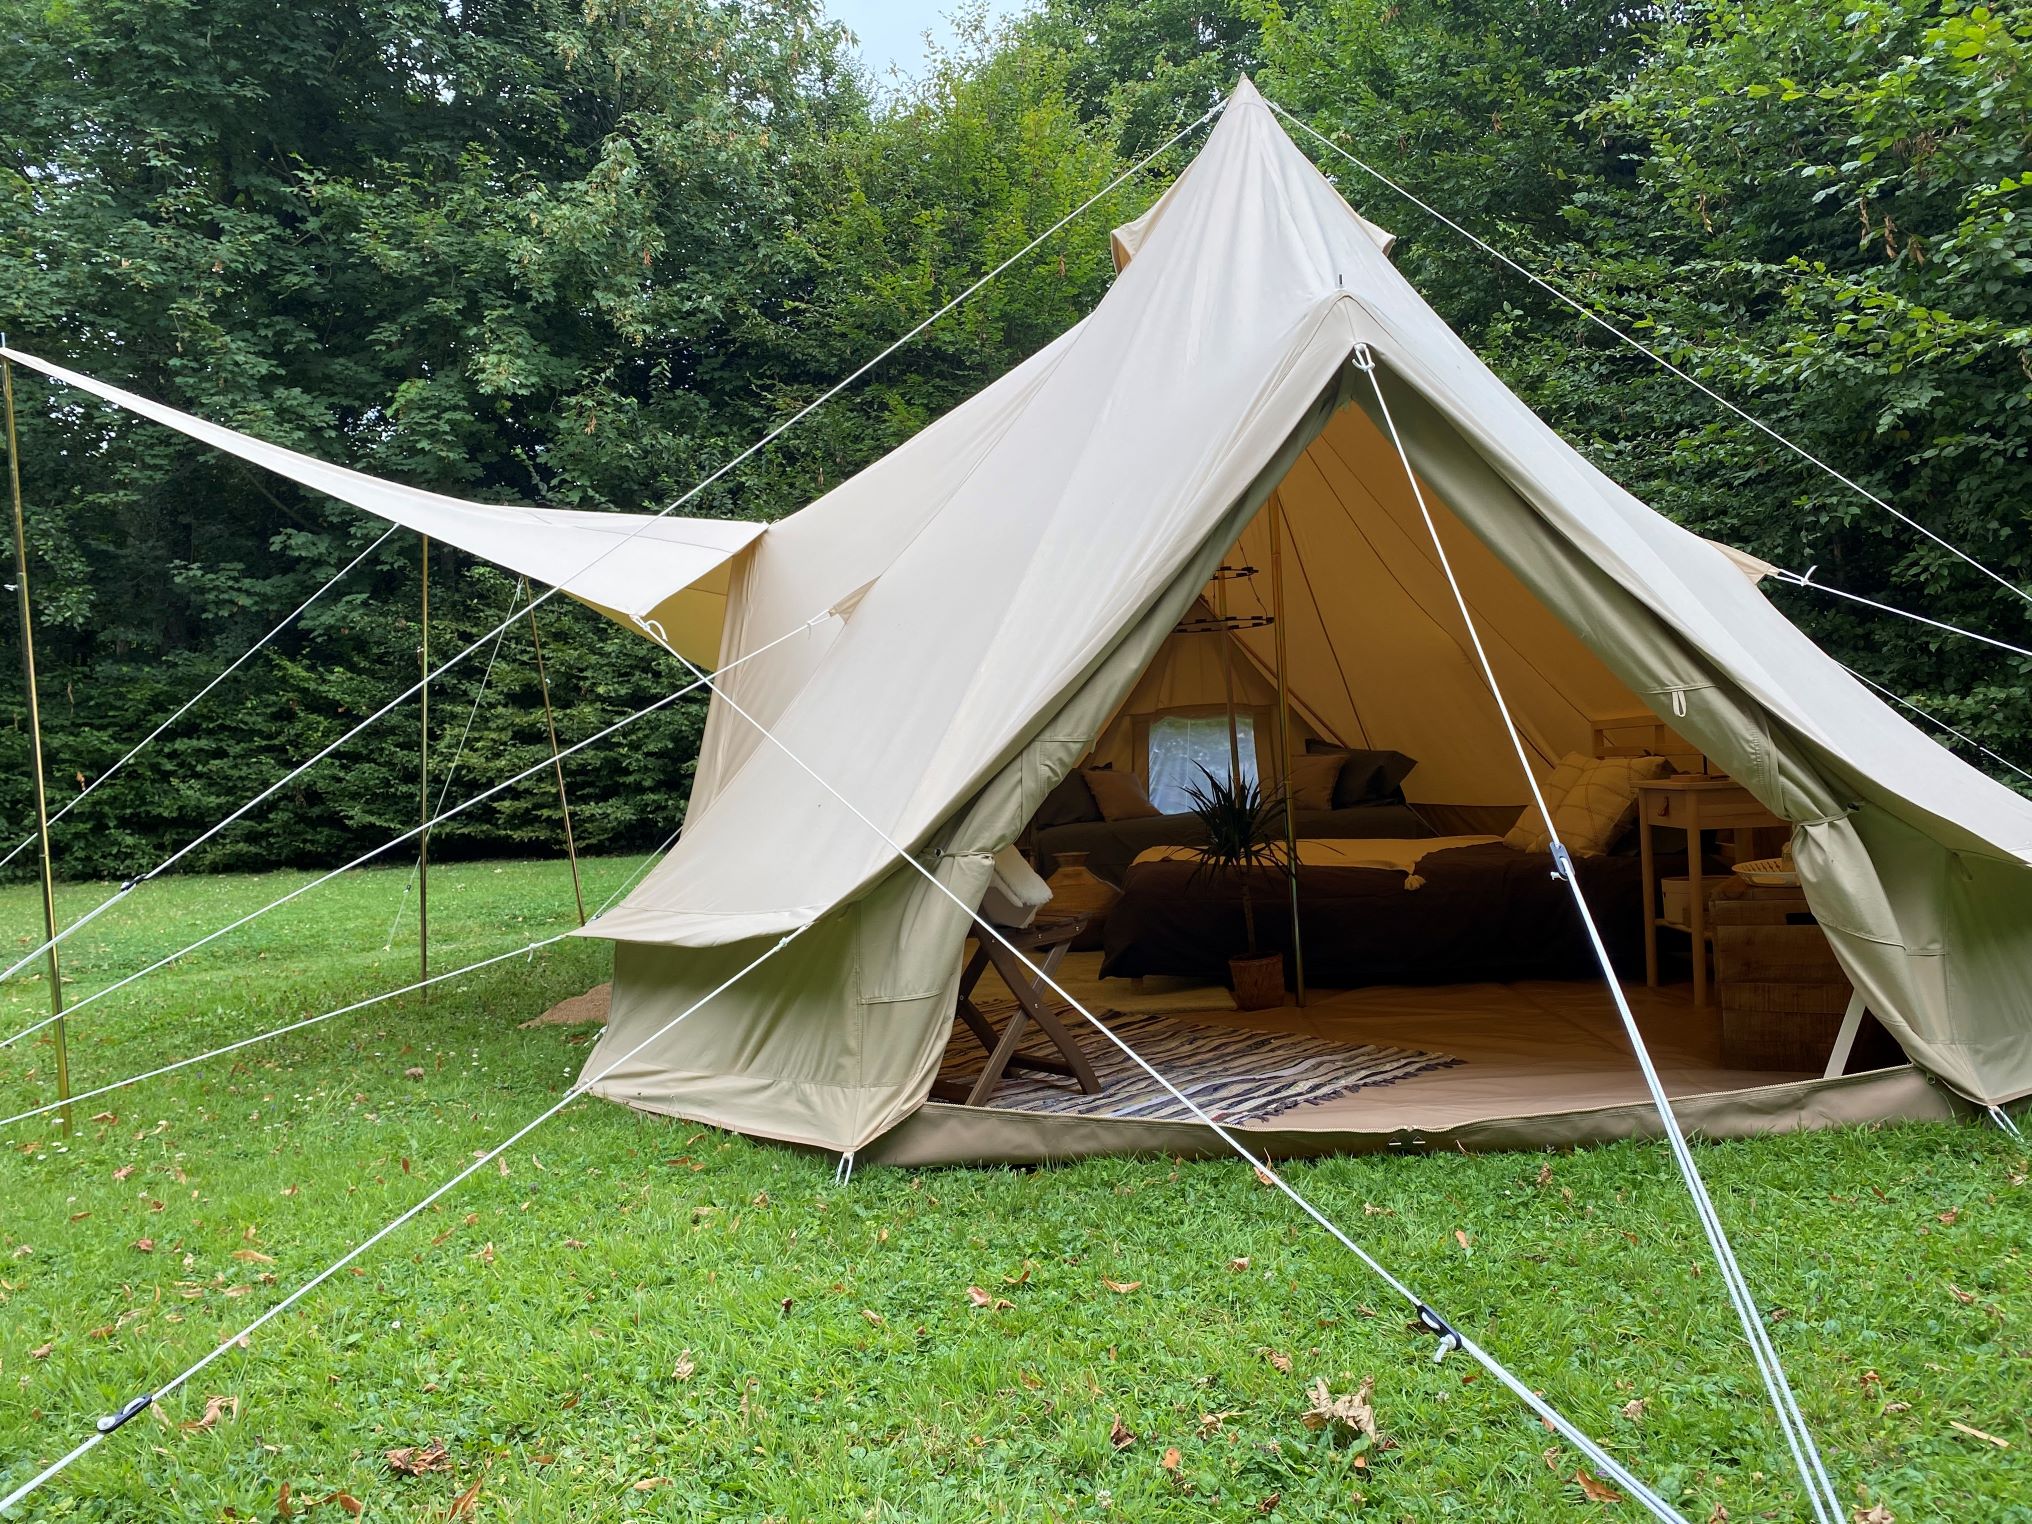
<point>892,31</point>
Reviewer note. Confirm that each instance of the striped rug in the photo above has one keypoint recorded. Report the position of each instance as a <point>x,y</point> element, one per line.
<point>1236,1074</point>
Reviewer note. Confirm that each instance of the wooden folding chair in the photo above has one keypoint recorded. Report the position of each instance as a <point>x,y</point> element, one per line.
<point>1026,983</point>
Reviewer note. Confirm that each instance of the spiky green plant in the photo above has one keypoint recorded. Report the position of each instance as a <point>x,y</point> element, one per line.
<point>1240,824</point>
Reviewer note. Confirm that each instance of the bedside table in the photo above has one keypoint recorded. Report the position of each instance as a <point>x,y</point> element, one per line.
<point>1692,805</point>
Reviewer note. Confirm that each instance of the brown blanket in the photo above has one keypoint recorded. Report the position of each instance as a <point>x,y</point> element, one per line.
<point>1483,912</point>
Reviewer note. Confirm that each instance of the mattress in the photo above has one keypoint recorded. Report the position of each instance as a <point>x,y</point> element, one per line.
<point>1112,845</point>
<point>1475,910</point>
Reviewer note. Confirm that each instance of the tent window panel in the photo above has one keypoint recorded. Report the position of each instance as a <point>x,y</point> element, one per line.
<point>1181,744</point>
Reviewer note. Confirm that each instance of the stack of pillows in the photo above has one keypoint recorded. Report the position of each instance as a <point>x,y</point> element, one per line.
<point>1325,778</point>
<point>1593,801</point>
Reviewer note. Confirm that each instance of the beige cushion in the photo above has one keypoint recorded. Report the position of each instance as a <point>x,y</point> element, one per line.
<point>1313,777</point>
<point>1119,796</point>
<point>1592,799</point>
<point>1603,801</point>
<point>1528,834</point>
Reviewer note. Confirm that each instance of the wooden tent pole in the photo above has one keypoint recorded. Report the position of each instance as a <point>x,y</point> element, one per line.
<point>556,761</point>
<point>56,1005</point>
<point>1284,739</point>
<point>423,784</point>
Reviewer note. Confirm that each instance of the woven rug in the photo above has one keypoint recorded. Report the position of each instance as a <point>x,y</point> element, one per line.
<point>1236,1074</point>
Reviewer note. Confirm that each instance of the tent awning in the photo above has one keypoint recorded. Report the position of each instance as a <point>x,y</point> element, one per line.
<point>630,566</point>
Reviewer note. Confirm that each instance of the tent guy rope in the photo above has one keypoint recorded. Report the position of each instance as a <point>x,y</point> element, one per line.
<point>188,704</point>
<point>1820,1489</point>
<point>1806,579</point>
<point>1931,718</point>
<point>1691,380</point>
<point>458,809</point>
<point>527,949</point>
<point>113,1422</point>
<point>1450,1337</point>
<point>691,493</point>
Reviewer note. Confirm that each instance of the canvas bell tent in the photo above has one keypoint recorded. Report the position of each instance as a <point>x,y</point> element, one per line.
<point>1211,498</point>
<point>1004,582</point>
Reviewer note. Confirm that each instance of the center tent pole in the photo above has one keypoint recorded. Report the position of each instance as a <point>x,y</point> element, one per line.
<point>56,1000</point>
<point>556,761</point>
<point>1227,635</point>
<point>1284,738</point>
<point>423,784</point>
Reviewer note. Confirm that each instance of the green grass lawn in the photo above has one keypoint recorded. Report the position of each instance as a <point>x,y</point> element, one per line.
<point>639,1318</point>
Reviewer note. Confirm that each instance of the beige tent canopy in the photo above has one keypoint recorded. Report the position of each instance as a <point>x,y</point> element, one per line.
<point>635,568</point>
<point>1010,577</point>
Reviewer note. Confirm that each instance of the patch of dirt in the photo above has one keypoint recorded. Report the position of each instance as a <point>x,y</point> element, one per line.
<point>577,1011</point>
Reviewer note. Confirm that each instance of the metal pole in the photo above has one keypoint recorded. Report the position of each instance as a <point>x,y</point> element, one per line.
<point>1228,677</point>
<point>423,786</point>
<point>1284,738</point>
<point>556,761</point>
<point>63,1058</point>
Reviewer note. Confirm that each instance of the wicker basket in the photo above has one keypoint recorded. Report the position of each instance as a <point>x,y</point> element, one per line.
<point>1259,981</point>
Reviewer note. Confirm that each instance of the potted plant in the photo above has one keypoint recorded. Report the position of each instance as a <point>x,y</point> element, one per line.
<point>1241,836</point>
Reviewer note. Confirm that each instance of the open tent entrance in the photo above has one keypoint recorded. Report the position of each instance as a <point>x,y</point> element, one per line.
<point>1451,989</point>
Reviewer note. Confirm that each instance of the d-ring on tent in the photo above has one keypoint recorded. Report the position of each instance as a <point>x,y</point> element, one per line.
<point>1004,579</point>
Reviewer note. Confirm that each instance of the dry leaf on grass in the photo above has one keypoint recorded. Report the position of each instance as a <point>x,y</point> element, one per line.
<point>1350,1411</point>
<point>2001,1444</point>
<point>1120,1435</point>
<point>41,1351</point>
<point>1171,1459</point>
<point>1239,1262</point>
<point>466,1503</point>
<point>1279,1359</point>
<point>682,1371</point>
<point>1596,1491</point>
<point>1634,1409</point>
<point>415,1460</point>
<point>1876,1513</point>
<point>253,1256</point>
<point>216,1407</point>
<point>651,1483</point>
<point>346,1501</point>
<point>873,1316</point>
<point>1121,1288</point>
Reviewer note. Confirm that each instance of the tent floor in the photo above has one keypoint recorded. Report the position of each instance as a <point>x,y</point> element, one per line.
<point>1542,1062</point>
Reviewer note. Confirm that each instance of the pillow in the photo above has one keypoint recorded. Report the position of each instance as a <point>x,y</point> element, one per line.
<point>1529,833</point>
<point>1120,796</point>
<point>1366,776</point>
<point>1314,778</point>
<point>1603,801</point>
<point>1592,799</point>
<point>1071,803</point>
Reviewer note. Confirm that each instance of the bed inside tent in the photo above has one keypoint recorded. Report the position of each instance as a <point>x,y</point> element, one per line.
<point>1450,993</point>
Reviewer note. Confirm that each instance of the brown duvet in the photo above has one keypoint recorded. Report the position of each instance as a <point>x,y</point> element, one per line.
<point>1484,912</point>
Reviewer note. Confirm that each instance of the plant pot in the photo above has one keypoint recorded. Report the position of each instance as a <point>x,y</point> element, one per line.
<point>1258,981</point>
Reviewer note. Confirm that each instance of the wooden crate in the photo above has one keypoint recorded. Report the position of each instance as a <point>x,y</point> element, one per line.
<point>1782,994</point>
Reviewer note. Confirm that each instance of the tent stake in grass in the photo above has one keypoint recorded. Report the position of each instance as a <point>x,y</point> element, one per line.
<point>423,783</point>
<point>63,1062</point>
<point>571,850</point>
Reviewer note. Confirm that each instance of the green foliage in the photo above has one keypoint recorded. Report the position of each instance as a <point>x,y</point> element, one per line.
<point>583,253</point>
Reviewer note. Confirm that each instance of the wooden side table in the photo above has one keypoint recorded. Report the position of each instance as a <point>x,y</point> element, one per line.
<point>1692,805</point>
